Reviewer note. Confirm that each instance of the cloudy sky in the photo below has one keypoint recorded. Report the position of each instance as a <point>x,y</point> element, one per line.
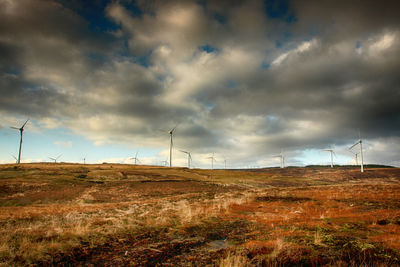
<point>105,79</point>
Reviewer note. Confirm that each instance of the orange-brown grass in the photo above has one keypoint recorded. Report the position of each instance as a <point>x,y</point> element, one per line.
<point>143,215</point>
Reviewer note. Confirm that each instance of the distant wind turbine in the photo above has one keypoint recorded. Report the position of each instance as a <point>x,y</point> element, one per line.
<point>225,162</point>
<point>282,157</point>
<point>356,156</point>
<point>21,130</point>
<point>16,159</point>
<point>136,158</point>
<point>189,157</point>
<point>359,142</point>
<point>55,159</point>
<point>332,152</point>
<point>84,160</point>
<point>165,162</point>
<point>212,161</point>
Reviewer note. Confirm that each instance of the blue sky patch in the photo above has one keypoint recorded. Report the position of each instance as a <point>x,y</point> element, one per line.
<point>265,65</point>
<point>279,9</point>
<point>208,48</point>
<point>93,12</point>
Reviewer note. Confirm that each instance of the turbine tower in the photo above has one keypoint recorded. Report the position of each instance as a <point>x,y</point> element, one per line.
<point>189,157</point>
<point>332,152</point>
<point>282,159</point>
<point>84,160</point>
<point>171,133</point>
<point>136,158</point>
<point>212,161</point>
<point>55,159</point>
<point>21,130</point>
<point>359,142</point>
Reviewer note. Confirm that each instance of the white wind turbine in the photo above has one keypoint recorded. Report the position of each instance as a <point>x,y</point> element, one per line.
<point>21,131</point>
<point>189,157</point>
<point>16,159</point>
<point>165,162</point>
<point>225,162</point>
<point>55,159</point>
<point>84,160</point>
<point>171,133</point>
<point>282,157</point>
<point>356,155</point>
<point>359,142</point>
<point>212,161</point>
<point>332,152</point>
<point>136,158</point>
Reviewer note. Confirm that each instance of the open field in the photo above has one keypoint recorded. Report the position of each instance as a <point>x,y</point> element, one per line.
<point>111,214</point>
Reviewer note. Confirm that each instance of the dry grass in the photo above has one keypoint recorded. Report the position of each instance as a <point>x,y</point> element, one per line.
<point>136,215</point>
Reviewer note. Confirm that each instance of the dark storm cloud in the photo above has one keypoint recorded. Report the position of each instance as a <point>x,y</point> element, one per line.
<point>346,19</point>
<point>43,47</point>
<point>254,76</point>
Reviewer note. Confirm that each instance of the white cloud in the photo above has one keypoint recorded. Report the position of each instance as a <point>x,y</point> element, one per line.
<point>48,123</point>
<point>383,43</point>
<point>302,48</point>
<point>66,144</point>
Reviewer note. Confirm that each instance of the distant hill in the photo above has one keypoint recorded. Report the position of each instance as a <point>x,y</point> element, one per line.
<point>351,166</point>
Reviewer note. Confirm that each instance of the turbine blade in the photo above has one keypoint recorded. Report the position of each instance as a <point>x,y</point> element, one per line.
<point>173,129</point>
<point>25,123</point>
<point>354,145</point>
<point>12,127</point>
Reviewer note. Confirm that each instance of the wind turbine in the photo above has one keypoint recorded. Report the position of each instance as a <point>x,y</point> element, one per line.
<point>225,162</point>
<point>55,159</point>
<point>21,130</point>
<point>282,159</point>
<point>189,157</point>
<point>171,132</point>
<point>332,152</point>
<point>16,159</point>
<point>136,158</point>
<point>356,155</point>
<point>212,161</point>
<point>84,160</point>
<point>361,151</point>
<point>165,162</point>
